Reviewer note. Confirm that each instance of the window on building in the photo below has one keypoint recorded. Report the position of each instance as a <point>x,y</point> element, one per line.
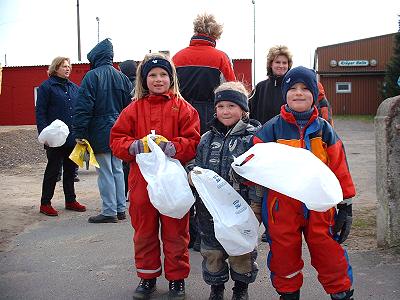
<point>343,87</point>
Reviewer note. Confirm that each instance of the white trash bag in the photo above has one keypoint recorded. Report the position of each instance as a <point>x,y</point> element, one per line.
<point>55,134</point>
<point>167,182</point>
<point>295,172</point>
<point>235,225</point>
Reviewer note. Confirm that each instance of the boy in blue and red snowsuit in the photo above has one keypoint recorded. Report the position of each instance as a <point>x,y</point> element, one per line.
<point>287,219</point>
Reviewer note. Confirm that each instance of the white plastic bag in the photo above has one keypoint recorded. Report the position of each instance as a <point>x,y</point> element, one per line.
<point>55,134</point>
<point>167,182</point>
<point>235,225</point>
<point>295,172</point>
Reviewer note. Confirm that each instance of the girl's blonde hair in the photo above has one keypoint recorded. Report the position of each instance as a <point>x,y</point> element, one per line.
<point>206,24</point>
<point>274,52</point>
<point>140,91</point>
<point>56,63</point>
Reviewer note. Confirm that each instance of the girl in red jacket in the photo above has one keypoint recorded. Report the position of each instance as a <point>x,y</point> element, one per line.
<point>157,105</point>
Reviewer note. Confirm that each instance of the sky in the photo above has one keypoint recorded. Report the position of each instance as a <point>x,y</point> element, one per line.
<point>33,32</point>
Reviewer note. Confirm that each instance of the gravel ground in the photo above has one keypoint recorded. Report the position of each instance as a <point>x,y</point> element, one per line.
<point>20,147</point>
<point>23,159</point>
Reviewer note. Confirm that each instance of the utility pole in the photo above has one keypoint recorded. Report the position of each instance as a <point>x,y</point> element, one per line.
<point>79,30</point>
<point>254,42</point>
<point>98,29</point>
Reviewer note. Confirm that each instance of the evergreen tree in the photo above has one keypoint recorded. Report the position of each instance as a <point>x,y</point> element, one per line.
<point>391,81</point>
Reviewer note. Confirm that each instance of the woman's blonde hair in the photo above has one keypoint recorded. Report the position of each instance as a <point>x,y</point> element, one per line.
<point>140,91</point>
<point>206,24</point>
<point>56,63</point>
<point>274,52</point>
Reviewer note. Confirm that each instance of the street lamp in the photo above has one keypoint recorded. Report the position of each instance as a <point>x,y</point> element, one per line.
<point>79,30</point>
<point>98,29</point>
<point>254,42</point>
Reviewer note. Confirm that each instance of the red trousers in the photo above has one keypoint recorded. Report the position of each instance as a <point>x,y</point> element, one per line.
<point>145,221</point>
<point>288,219</point>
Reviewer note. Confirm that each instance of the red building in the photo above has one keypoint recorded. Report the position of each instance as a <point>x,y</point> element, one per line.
<point>19,84</point>
<point>352,73</point>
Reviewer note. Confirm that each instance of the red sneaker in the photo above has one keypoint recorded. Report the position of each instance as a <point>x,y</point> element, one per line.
<point>75,206</point>
<point>48,210</point>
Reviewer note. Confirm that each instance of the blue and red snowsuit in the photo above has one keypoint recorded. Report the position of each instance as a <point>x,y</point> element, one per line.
<point>287,219</point>
<point>178,121</point>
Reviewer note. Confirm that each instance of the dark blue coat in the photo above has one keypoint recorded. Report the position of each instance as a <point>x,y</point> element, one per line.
<point>103,94</point>
<point>55,100</point>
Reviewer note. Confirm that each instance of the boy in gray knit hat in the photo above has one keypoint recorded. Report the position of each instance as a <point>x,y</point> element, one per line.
<point>230,135</point>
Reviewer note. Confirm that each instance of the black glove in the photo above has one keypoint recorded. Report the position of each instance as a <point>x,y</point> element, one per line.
<point>343,221</point>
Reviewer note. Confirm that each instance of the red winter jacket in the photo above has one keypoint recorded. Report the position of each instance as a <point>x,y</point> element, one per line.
<point>169,116</point>
<point>201,68</point>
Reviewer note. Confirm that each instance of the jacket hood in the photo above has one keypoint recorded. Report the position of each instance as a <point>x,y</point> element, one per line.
<point>101,54</point>
<point>128,67</point>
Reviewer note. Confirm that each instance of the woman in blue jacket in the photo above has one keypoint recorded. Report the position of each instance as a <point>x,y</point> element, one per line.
<point>55,100</point>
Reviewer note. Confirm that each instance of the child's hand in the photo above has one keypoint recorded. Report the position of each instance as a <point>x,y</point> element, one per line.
<point>136,147</point>
<point>80,141</point>
<point>156,138</point>
<point>343,222</point>
<point>168,148</point>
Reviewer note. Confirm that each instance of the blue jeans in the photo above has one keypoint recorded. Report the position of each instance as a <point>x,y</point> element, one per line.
<point>111,184</point>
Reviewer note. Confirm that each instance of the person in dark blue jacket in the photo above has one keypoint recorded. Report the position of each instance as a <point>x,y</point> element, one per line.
<point>103,94</point>
<point>55,100</point>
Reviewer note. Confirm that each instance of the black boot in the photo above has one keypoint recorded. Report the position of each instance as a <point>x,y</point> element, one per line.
<point>217,292</point>
<point>176,289</point>
<point>240,291</point>
<point>290,296</point>
<point>145,288</point>
<point>103,219</point>
<point>346,295</point>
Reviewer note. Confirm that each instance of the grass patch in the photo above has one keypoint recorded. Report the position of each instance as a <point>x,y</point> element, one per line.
<point>364,118</point>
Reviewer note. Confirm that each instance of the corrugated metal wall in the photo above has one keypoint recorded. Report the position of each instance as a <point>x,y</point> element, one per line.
<point>366,81</point>
<point>364,98</point>
<point>18,92</point>
<point>242,68</point>
<point>17,99</point>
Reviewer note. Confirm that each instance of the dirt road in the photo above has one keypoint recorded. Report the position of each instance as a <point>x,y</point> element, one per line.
<point>22,163</point>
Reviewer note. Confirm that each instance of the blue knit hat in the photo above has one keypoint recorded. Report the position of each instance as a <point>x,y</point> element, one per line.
<point>303,75</point>
<point>154,63</point>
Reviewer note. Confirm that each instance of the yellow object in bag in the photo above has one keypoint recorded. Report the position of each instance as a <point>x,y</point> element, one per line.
<point>83,153</point>
<point>157,138</point>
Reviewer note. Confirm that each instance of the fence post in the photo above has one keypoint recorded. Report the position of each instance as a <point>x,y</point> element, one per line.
<point>387,141</point>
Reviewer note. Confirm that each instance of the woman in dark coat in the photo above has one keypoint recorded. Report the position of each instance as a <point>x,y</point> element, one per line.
<point>55,100</point>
